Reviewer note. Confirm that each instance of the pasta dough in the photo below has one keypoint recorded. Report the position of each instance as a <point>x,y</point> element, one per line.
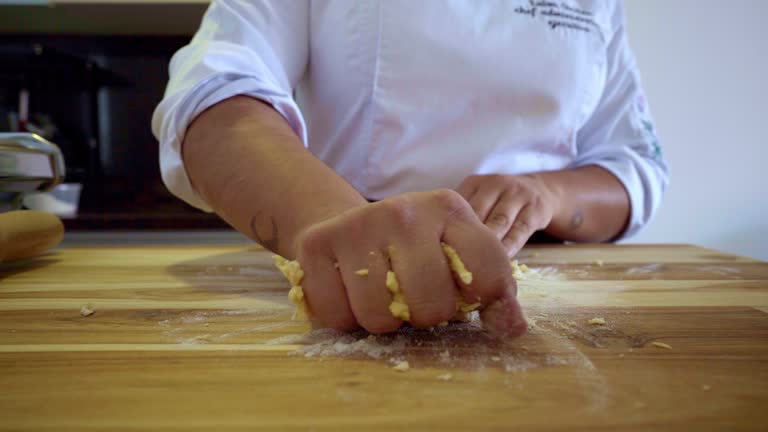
<point>403,366</point>
<point>398,307</point>
<point>457,265</point>
<point>519,271</point>
<point>293,272</point>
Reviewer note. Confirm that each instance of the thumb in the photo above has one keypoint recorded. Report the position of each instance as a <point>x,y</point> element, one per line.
<point>504,318</point>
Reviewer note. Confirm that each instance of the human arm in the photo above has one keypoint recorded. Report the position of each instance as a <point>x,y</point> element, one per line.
<point>613,186</point>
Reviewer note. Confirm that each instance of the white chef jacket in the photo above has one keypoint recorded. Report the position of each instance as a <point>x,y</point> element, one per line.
<point>404,95</point>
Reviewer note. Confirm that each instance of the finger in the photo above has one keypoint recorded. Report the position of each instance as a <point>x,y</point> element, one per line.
<point>504,317</point>
<point>504,213</point>
<point>492,283</point>
<point>525,224</point>
<point>368,295</point>
<point>324,292</point>
<point>483,256</point>
<point>468,187</point>
<point>425,279</point>
<point>483,201</point>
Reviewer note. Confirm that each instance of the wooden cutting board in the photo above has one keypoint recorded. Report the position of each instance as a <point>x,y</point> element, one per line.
<point>200,338</point>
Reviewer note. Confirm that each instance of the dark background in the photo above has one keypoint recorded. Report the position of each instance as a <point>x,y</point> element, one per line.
<point>98,82</point>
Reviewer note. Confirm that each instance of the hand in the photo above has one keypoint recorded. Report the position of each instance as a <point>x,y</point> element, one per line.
<point>404,234</point>
<point>513,207</point>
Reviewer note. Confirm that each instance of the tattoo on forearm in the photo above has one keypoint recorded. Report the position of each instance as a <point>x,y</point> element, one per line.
<point>577,220</point>
<point>271,241</point>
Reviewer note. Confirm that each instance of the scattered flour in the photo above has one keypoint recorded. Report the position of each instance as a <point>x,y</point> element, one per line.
<point>402,366</point>
<point>650,268</point>
<point>597,321</point>
<point>462,345</point>
<point>332,343</point>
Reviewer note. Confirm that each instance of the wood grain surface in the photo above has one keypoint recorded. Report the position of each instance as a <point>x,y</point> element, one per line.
<point>201,338</point>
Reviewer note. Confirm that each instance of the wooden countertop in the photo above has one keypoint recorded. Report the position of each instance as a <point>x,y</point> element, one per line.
<point>199,338</point>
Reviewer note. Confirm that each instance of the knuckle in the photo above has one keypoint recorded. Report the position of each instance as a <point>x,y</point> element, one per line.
<point>450,201</point>
<point>401,211</point>
<point>521,226</point>
<point>511,188</point>
<point>312,241</point>
<point>499,219</point>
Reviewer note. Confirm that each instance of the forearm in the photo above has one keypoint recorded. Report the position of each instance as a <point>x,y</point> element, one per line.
<point>246,162</point>
<point>593,205</point>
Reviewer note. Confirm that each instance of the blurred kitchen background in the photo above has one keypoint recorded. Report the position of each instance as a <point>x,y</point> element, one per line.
<point>86,75</point>
<point>91,71</point>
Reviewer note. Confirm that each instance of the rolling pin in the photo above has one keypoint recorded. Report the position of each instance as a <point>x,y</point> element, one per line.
<point>28,233</point>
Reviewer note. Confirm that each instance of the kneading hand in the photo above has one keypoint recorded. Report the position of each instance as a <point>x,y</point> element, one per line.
<point>513,207</point>
<point>404,234</point>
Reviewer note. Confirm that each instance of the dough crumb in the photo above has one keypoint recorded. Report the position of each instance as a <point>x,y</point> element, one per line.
<point>465,307</point>
<point>442,324</point>
<point>621,355</point>
<point>519,271</point>
<point>599,263</point>
<point>706,387</point>
<point>206,324</point>
<point>597,321</point>
<point>403,366</point>
<point>86,311</point>
<point>400,310</point>
<point>398,307</point>
<point>362,272</point>
<point>393,285</point>
<point>456,264</point>
<point>290,269</point>
<point>293,272</point>
<point>661,345</point>
<point>445,377</point>
<point>495,358</point>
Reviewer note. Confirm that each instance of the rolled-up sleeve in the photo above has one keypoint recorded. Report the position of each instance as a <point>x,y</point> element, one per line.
<point>256,48</point>
<point>620,135</point>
